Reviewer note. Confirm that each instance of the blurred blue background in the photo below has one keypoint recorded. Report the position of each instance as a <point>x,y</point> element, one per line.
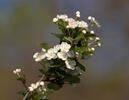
<point>26,23</point>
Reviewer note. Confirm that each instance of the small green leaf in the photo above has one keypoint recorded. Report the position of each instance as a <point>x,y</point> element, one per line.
<point>22,92</point>
<point>69,39</point>
<point>82,49</point>
<point>59,36</point>
<point>21,79</point>
<point>45,46</point>
<point>79,37</point>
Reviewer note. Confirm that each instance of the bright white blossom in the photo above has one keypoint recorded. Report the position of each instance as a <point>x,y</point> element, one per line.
<point>51,54</point>
<point>62,55</point>
<point>55,20</point>
<point>84,31</point>
<point>62,17</point>
<point>92,32</point>
<point>93,49</point>
<point>72,23</point>
<point>97,39</point>
<point>70,64</point>
<point>82,24</point>
<point>56,48</point>
<point>17,71</point>
<point>39,56</point>
<point>98,44</point>
<point>65,46</point>
<point>78,14</point>
<point>34,86</point>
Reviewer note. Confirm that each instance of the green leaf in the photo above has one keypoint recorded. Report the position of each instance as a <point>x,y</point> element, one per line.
<point>82,49</point>
<point>22,92</point>
<point>69,39</point>
<point>72,79</point>
<point>81,66</point>
<point>54,86</point>
<point>45,46</point>
<point>21,79</point>
<point>79,37</point>
<point>59,36</point>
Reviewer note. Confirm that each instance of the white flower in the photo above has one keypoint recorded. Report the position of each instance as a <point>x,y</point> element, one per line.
<point>42,83</point>
<point>56,48</point>
<point>65,46</point>
<point>70,64</point>
<point>30,89</point>
<point>51,54</point>
<point>97,39</point>
<point>62,17</point>
<point>17,71</point>
<point>55,20</point>
<point>84,31</point>
<point>34,86</point>
<point>39,56</point>
<point>78,14</point>
<point>62,55</point>
<point>98,44</point>
<point>92,32</point>
<point>93,49</point>
<point>82,24</point>
<point>72,23</point>
<point>89,18</point>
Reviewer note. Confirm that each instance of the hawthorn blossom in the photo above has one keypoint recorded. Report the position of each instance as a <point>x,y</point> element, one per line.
<point>55,20</point>
<point>17,71</point>
<point>39,56</point>
<point>65,47</point>
<point>62,17</point>
<point>34,86</point>
<point>72,23</point>
<point>51,54</point>
<point>62,55</point>
<point>70,64</point>
<point>92,32</point>
<point>84,31</point>
<point>77,14</point>
<point>82,24</point>
<point>97,39</point>
<point>56,48</point>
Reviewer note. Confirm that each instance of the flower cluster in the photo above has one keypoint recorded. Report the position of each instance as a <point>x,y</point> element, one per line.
<point>60,51</point>
<point>36,85</point>
<point>72,23</point>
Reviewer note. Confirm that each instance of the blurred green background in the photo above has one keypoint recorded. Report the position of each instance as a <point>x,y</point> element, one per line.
<point>26,23</point>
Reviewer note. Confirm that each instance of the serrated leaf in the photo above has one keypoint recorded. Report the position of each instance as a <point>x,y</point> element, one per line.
<point>45,46</point>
